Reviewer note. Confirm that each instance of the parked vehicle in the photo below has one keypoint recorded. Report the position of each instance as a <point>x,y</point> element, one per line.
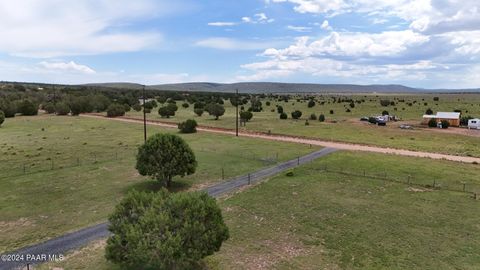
<point>474,123</point>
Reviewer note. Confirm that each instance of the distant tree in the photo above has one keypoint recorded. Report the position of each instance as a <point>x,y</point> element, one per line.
<point>215,109</point>
<point>161,99</point>
<point>432,122</point>
<point>280,109</point>
<point>199,105</point>
<point>436,98</point>
<point>321,118</point>
<point>234,101</point>
<point>49,108</point>
<point>296,114</point>
<point>464,120</point>
<point>115,110</point>
<point>385,113</point>
<point>185,105</point>
<point>267,103</point>
<point>313,116</point>
<point>27,107</point>
<point>61,108</point>
<point>283,116</point>
<point>137,107</point>
<point>198,112</point>
<point>331,112</point>
<point>164,156</point>
<point>148,105</point>
<point>166,111</point>
<point>189,126</point>
<point>445,124</point>
<point>246,115</point>
<point>256,105</point>
<point>311,103</point>
<point>352,105</point>
<point>385,102</point>
<point>392,103</point>
<point>8,108</point>
<point>429,111</point>
<point>2,118</point>
<point>163,230</point>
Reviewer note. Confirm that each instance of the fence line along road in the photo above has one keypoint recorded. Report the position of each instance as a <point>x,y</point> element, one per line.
<point>60,245</point>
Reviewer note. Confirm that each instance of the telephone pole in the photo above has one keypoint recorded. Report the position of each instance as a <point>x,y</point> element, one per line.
<point>144,118</point>
<point>236,108</point>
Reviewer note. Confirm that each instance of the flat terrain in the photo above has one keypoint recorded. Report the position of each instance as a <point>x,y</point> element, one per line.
<point>93,167</point>
<point>329,220</point>
<point>346,127</point>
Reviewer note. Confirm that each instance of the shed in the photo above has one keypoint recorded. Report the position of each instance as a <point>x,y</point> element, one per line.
<point>474,123</point>
<point>453,118</point>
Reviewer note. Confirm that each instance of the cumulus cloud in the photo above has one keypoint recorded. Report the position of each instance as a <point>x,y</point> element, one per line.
<point>51,28</point>
<point>222,24</point>
<point>222,43</point>
<point>299,28</point>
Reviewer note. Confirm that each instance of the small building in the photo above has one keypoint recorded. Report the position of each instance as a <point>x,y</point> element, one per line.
<point>474,123</point>
<point>453,118</point>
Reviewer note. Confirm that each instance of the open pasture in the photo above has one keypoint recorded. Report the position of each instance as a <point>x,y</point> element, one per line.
<point>42,202</point>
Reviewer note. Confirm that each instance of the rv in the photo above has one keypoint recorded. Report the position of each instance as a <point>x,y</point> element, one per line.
<point>474,123</point>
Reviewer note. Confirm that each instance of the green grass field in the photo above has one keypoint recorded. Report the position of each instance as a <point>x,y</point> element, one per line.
<point>347,126</point>
<point>94,166</point>
<point>324,220</point>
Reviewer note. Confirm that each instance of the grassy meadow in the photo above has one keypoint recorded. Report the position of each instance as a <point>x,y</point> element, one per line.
<point>94,166</point>
<point>325,220</point>
<point>345,126</point>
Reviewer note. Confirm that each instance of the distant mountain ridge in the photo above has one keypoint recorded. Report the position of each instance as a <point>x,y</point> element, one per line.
<point>274,87</point>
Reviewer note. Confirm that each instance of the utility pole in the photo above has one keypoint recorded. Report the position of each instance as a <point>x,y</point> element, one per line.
<point>144,118</point>
<point>236,107</point>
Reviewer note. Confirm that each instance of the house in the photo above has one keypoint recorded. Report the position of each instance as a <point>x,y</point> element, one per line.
<point>453,118</point>
<point>474,123</point>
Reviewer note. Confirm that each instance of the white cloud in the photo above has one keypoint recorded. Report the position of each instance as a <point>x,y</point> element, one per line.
<point>67,67</point>
<point>301,29</point>
<point>220,24</point>
<point>326,26</point>
<point>232,44</point>
<point>50,28</point>
<point>258,18</point>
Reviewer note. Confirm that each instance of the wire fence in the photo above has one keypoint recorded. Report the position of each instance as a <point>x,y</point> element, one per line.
<point>429,183</point>
<point>30,166</point>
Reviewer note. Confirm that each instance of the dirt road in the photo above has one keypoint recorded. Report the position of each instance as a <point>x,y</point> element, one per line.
<point>285,138</point>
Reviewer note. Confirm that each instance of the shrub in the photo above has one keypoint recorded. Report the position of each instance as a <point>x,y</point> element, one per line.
<point>127,107</point>
<point>164,156</point>
<point>321,118</point>
<point>8,108</point>
<point>283,116</point>
<point>384,102</point>
<point>289,173</point>
<point>445,124</point>
<point>189,126</point>
<point>198,112</point>
<point>267,103</point>
<point>280,109</point>
<point>62,108</point>
<point>313,116</point>
<point>49,108</point>
<point>464,120</point>
<point>247,116</point>
<point>385,113</point>
<point>352,105</point>
<point>436,98</point>
<point>432,123</point>
<point>429,111</point>
<point>296,114</point>
<point>137,107</point>
<point>348,110</point>
<point>27,107</point>
<point>2,117</point>
<point>115,110</point>
<point>185,105</point>
<point>311,103</point>
<point>198,105</point>
<point>164,230</point>
<point>307,123</point>
<point>331,112</point>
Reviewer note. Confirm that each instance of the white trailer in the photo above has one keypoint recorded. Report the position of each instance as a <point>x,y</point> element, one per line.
<point>474,123</point>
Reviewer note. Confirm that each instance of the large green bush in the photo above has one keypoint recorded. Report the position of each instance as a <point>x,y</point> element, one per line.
<point>165,230</point>
<point>296,114</point>
<point>27,107</point>
<point>61,108</point>
<point>115,110</point>
<point>432,122</point>
<point>2,117</point>
<point>189,126</point>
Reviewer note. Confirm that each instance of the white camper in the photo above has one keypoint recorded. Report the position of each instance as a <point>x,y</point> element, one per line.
<point>474,123</point>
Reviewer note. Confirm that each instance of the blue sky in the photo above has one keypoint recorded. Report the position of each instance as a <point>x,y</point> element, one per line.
<point>421,43</point>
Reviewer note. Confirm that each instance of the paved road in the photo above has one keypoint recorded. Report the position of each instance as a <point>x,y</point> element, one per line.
<point>60,245</point>
<point>302,140</point>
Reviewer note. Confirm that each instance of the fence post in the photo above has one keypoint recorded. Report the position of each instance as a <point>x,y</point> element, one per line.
<point>464,188</point>
<point>249,179</point>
